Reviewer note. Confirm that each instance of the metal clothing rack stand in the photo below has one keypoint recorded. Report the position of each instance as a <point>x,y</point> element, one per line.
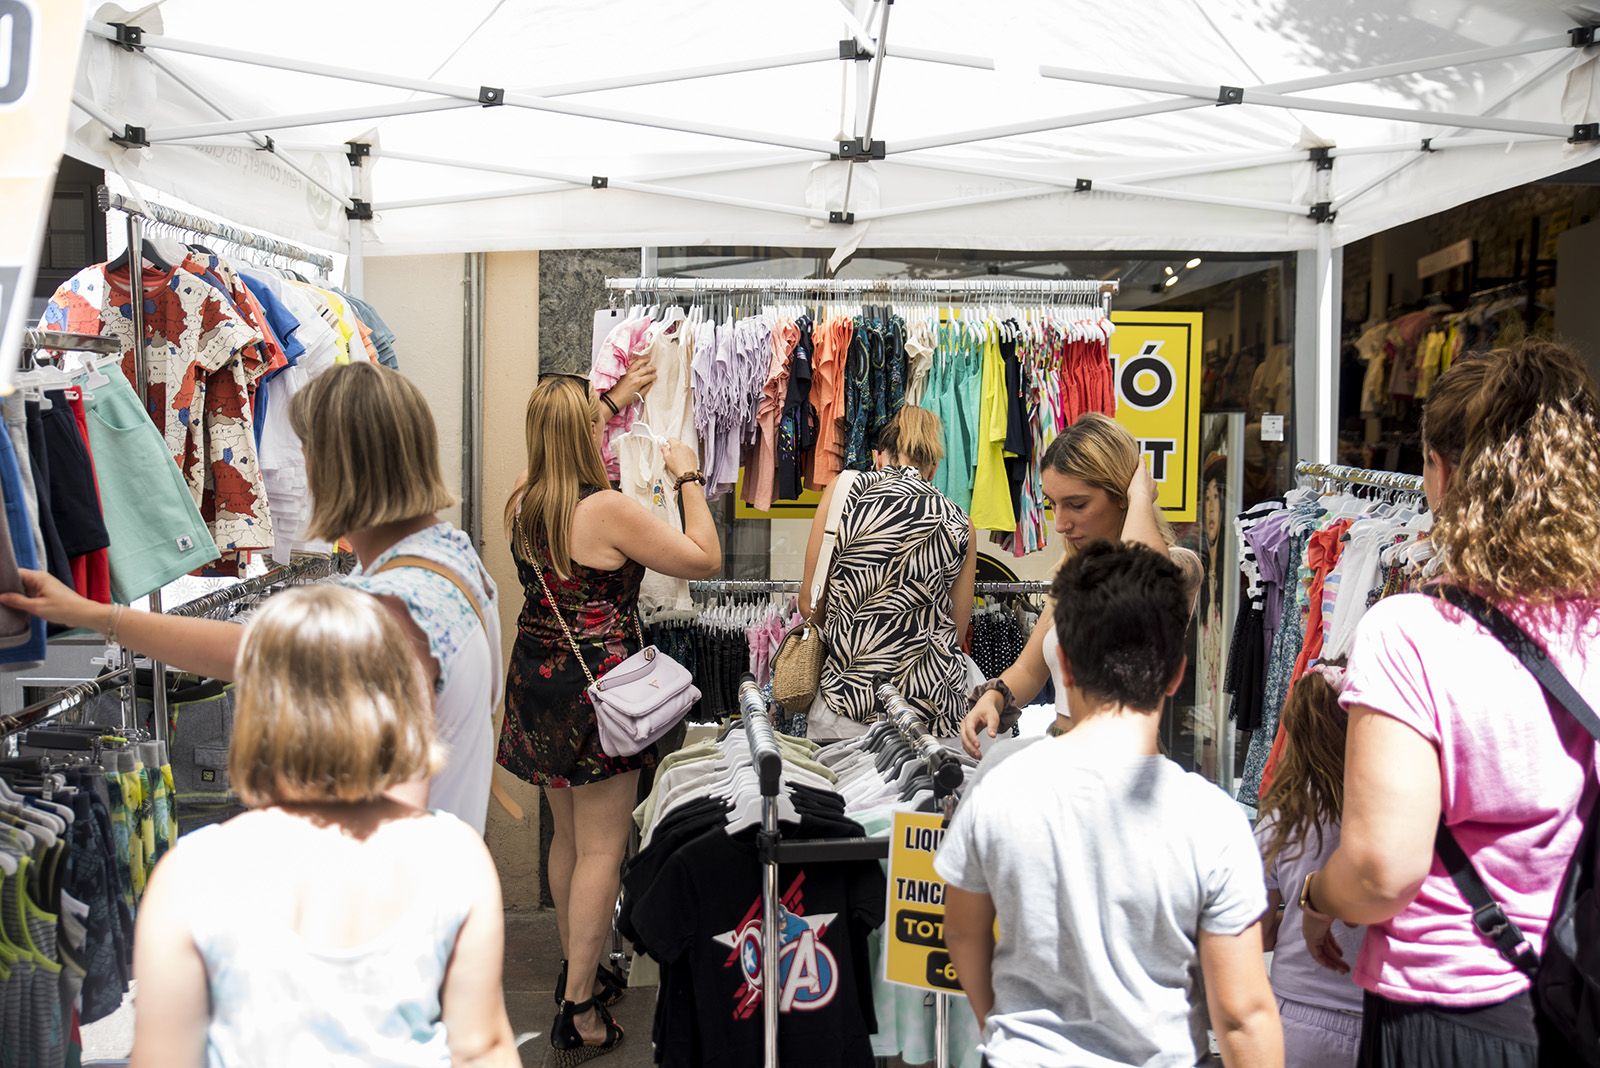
<point>72,697</point>
<point>1393,481</point>
<point>948,776</point>
<point>960,288</point>
<point>58,341</point>
<point>199,224</point>
<point>136,214</point>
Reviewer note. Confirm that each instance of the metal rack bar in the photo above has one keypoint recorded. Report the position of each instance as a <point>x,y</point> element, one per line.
<point>1360,476</point>
<point>61,701</point>
<point>299,570</point>
<point>58,341</point>
<point>907,286</point>
<point>769,766</point>
<point>946,770</point>
<point>199,224</point>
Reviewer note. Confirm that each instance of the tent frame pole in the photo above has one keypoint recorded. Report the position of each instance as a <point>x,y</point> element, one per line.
<point>257,140</point>
<point>575,182</point>
<point>1447,138</point>
<point>864,122</point>
<point>1268,96</point>
<point>1318,311</point>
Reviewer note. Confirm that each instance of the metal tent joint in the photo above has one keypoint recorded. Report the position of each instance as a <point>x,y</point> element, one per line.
<point>356,151</point>
<point>359,210</point>
<point>131,137</point>
<point>851,49</point>
<point>130,38</point>
<point>491,96</point>
<point>1230,94</point>
<point>1583,36</point>
<point>1322,212</point>
<point>1427,145</point>
<point>599,181</point>
<point>857,150</point>
<point>1083,185</point>
<point>1584,133</point>
<point>267,145</point>
<point>1322,158</point>
<point>843,218</point>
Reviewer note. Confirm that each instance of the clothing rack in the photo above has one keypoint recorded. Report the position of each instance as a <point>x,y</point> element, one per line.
<point>199,224</point>
<point>71,697</point>
<point>310,568</point>
<point>1360,476</point>
<point>963,288</point>
<point>945,768</point>
<point>948,776</point>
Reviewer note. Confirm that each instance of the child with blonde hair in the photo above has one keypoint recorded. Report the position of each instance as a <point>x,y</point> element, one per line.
<point>330,922</point>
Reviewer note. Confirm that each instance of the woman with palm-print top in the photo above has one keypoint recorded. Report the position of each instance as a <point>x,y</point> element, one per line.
<point>899,592</point>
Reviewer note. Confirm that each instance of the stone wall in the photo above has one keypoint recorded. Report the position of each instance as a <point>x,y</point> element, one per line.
<point>571,287</point>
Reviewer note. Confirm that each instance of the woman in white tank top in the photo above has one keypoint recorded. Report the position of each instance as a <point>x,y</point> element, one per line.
<point>1100,489</point>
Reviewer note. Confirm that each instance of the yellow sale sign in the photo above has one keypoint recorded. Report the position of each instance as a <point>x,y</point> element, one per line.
<point>1155,361</point>
<point>915,953</point>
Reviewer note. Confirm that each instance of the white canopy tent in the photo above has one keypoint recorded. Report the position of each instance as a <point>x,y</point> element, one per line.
<point>1212,125</point>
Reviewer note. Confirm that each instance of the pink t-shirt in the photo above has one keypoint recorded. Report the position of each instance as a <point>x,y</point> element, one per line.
<point>1517,775</point>
<point>628,340</point>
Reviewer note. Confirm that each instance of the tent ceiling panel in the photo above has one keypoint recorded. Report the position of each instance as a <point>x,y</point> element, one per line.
<point>973,157</point>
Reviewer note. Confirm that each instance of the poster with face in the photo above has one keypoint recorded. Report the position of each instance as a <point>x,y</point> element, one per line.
<point>1197,727</point>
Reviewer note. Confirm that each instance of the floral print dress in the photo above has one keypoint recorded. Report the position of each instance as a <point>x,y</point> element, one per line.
<point>549,737</point>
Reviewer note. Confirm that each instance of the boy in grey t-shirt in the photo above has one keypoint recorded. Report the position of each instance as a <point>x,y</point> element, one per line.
<point>1120,882</point>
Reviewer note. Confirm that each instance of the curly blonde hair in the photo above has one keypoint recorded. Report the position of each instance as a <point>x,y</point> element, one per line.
<point>1520,518</point>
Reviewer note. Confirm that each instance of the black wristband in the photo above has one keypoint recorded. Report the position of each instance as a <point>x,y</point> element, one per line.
<point>609,403</point>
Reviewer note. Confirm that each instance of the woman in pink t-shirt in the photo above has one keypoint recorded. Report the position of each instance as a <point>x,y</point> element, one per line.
<point>1445,722</point>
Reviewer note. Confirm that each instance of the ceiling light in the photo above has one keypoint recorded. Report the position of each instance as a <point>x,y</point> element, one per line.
<point>1192,264</point>
<point>1169,271</point>
<point>1172,281</point>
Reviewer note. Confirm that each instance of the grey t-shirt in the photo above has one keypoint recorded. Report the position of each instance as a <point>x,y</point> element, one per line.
<point>1103,875</point>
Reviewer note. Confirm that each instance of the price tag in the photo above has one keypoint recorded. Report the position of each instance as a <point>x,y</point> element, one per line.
<point>1272,428</point>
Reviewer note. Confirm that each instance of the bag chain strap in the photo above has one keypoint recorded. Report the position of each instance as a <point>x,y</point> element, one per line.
<point>555,607</point>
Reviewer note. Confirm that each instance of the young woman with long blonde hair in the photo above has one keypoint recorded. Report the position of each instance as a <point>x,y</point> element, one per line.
<point>581,550</point>
<point>1100,489</point>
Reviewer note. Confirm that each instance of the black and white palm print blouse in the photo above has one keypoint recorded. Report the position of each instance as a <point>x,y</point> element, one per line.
<point>889,614</point>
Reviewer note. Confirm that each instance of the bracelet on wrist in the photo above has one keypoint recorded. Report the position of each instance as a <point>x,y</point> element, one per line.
<point>690,476</point>
<point>605,398</point>
<point>114,619</point>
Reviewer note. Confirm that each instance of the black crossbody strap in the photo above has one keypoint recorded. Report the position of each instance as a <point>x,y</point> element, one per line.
<point>1487,916</point>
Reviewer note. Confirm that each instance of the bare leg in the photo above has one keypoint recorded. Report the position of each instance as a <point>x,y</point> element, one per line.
<point>602,815</point>
<point>563,856</point>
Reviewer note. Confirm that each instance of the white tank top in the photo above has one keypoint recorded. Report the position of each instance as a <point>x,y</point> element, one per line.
<point>1052,660</point>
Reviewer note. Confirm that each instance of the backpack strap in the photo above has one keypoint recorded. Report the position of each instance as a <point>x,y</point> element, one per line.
<point>1487,916</point>
<point>842,486</point>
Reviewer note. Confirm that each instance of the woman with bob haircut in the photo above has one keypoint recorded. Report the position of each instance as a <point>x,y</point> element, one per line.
<point>1448,727</point>
<point>372,463</point>
<point>330,922</point>
<point>581,550</point>
<point>1100,490</point>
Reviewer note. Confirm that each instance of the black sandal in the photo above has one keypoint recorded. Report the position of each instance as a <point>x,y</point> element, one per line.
<point>613,985</point>
<point>567,1047</point>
